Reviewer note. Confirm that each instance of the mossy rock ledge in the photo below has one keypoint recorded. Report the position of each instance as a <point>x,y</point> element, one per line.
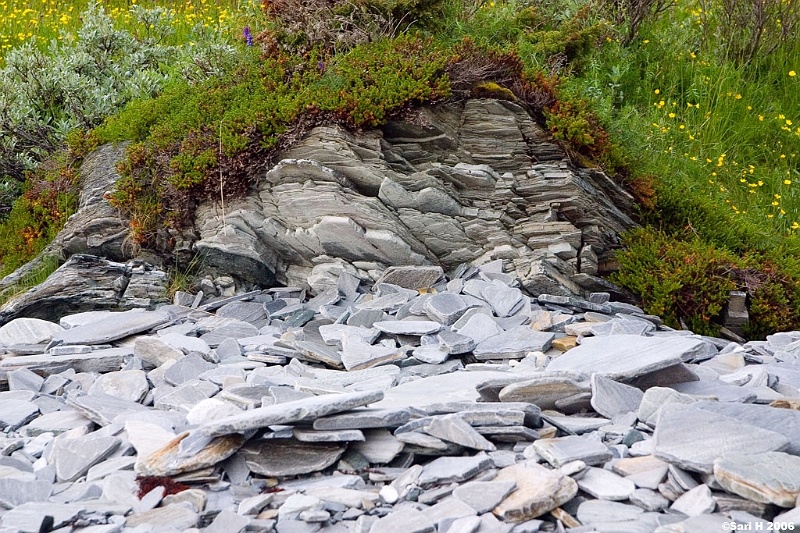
<point>464,182</point>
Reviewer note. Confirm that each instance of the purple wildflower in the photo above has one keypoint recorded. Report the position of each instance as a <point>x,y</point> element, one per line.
<point>248,37</point>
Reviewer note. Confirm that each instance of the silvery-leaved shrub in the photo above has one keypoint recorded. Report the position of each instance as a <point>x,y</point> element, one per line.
<point>77,82</point>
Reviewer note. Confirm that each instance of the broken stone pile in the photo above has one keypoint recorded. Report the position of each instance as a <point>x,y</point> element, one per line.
<point>416,405</point>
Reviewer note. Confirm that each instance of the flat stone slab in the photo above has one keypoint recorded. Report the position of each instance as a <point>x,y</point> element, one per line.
<point>563,450</point>
<point>173,517</point>
<point>411,277</point>
<point>404,521</point>
<point>620,357</point>
<point>656,397</point>
<point>289,412</point>
<point>445,308</point>
<point>453,428</point>
<point>32,516</point>
<point>724,392</point>
<point>695,502</point>
<point>128,385</point>
<point>539,490</point>
<point>545,389</point>
<point>57,422</point>
<point>478,327</point>
<point>102,409</point>
<point>605,485</point>
<point>513,344</point>
<point>112,327</point>
<point>378,447</point>
<point>15,492</point>
<point>452,387</point>
<point>358,355</point>
<point>176,457</point>
<point>15,413</point>
<point>408,327</point>
<point>783,421</point>
<point>343,435</point>
<point>610,398</point>
<point>288,457</point>
<point>364,418</point>
<point>74,457</point>
<point>770,477</point>
<point>101,361</point>
<point>454,469</point>
<point>28,331</point>
<point>693,438</point>
<point>483,496</point>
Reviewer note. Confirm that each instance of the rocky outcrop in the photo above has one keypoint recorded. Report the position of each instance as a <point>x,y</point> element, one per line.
<point>465,182</point>
<point>90,283</point>
<point>95,229</point>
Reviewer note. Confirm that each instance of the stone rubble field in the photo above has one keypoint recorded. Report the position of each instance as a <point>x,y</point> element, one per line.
<point>418,405</point>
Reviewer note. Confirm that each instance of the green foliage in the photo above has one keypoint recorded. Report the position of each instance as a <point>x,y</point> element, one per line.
<point>688,282</point>
<point>76,81</point>
<point>49,198</point>
<point>191,136</point>
<point>678,280</point>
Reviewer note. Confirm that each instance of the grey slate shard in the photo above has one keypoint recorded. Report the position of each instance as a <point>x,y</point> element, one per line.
<point>102,408</point>
<point>288,457</point>
<point>627,356</point>
<point>430,353</point>
<point>408,327</point>
<point>724,392</point>
<point>483,496</point>
<point>504,300</point>
<point>454,469</point>
<point>562,450</point>
<point>693,438</point>
<point>16,413</point>
<point>236,329</point>
<point>445,307</point>
<point>73,457</point>
<point>24,379</point>
<point>364,418</point>
<point>251,312</point>
<point>478,327</point>
<point>112,327</point>
<point>545,389</point>
<point>15,492</point>
<point>358,355</point>
<point>514,343</point>
<point>32,517</point>
<point>770,477</point>
<point>412,277</point>
<point>320,353</point>
<point>106,360</point>
<point>783,421</point>
<point>335,435</point>
<point>610,398</point>
<point>284,413</point>
<point>453,428</point>
<point>454,343</point>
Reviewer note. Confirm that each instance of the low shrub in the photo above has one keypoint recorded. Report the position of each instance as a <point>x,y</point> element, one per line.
<point>77,81</point>
<point>196,139</point>
<point>688,282</point>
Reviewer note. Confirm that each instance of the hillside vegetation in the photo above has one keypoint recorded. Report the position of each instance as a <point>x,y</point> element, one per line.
<point>694,106</point>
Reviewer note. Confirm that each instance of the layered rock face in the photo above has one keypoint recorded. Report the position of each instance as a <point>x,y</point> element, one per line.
<point>466,182</point>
